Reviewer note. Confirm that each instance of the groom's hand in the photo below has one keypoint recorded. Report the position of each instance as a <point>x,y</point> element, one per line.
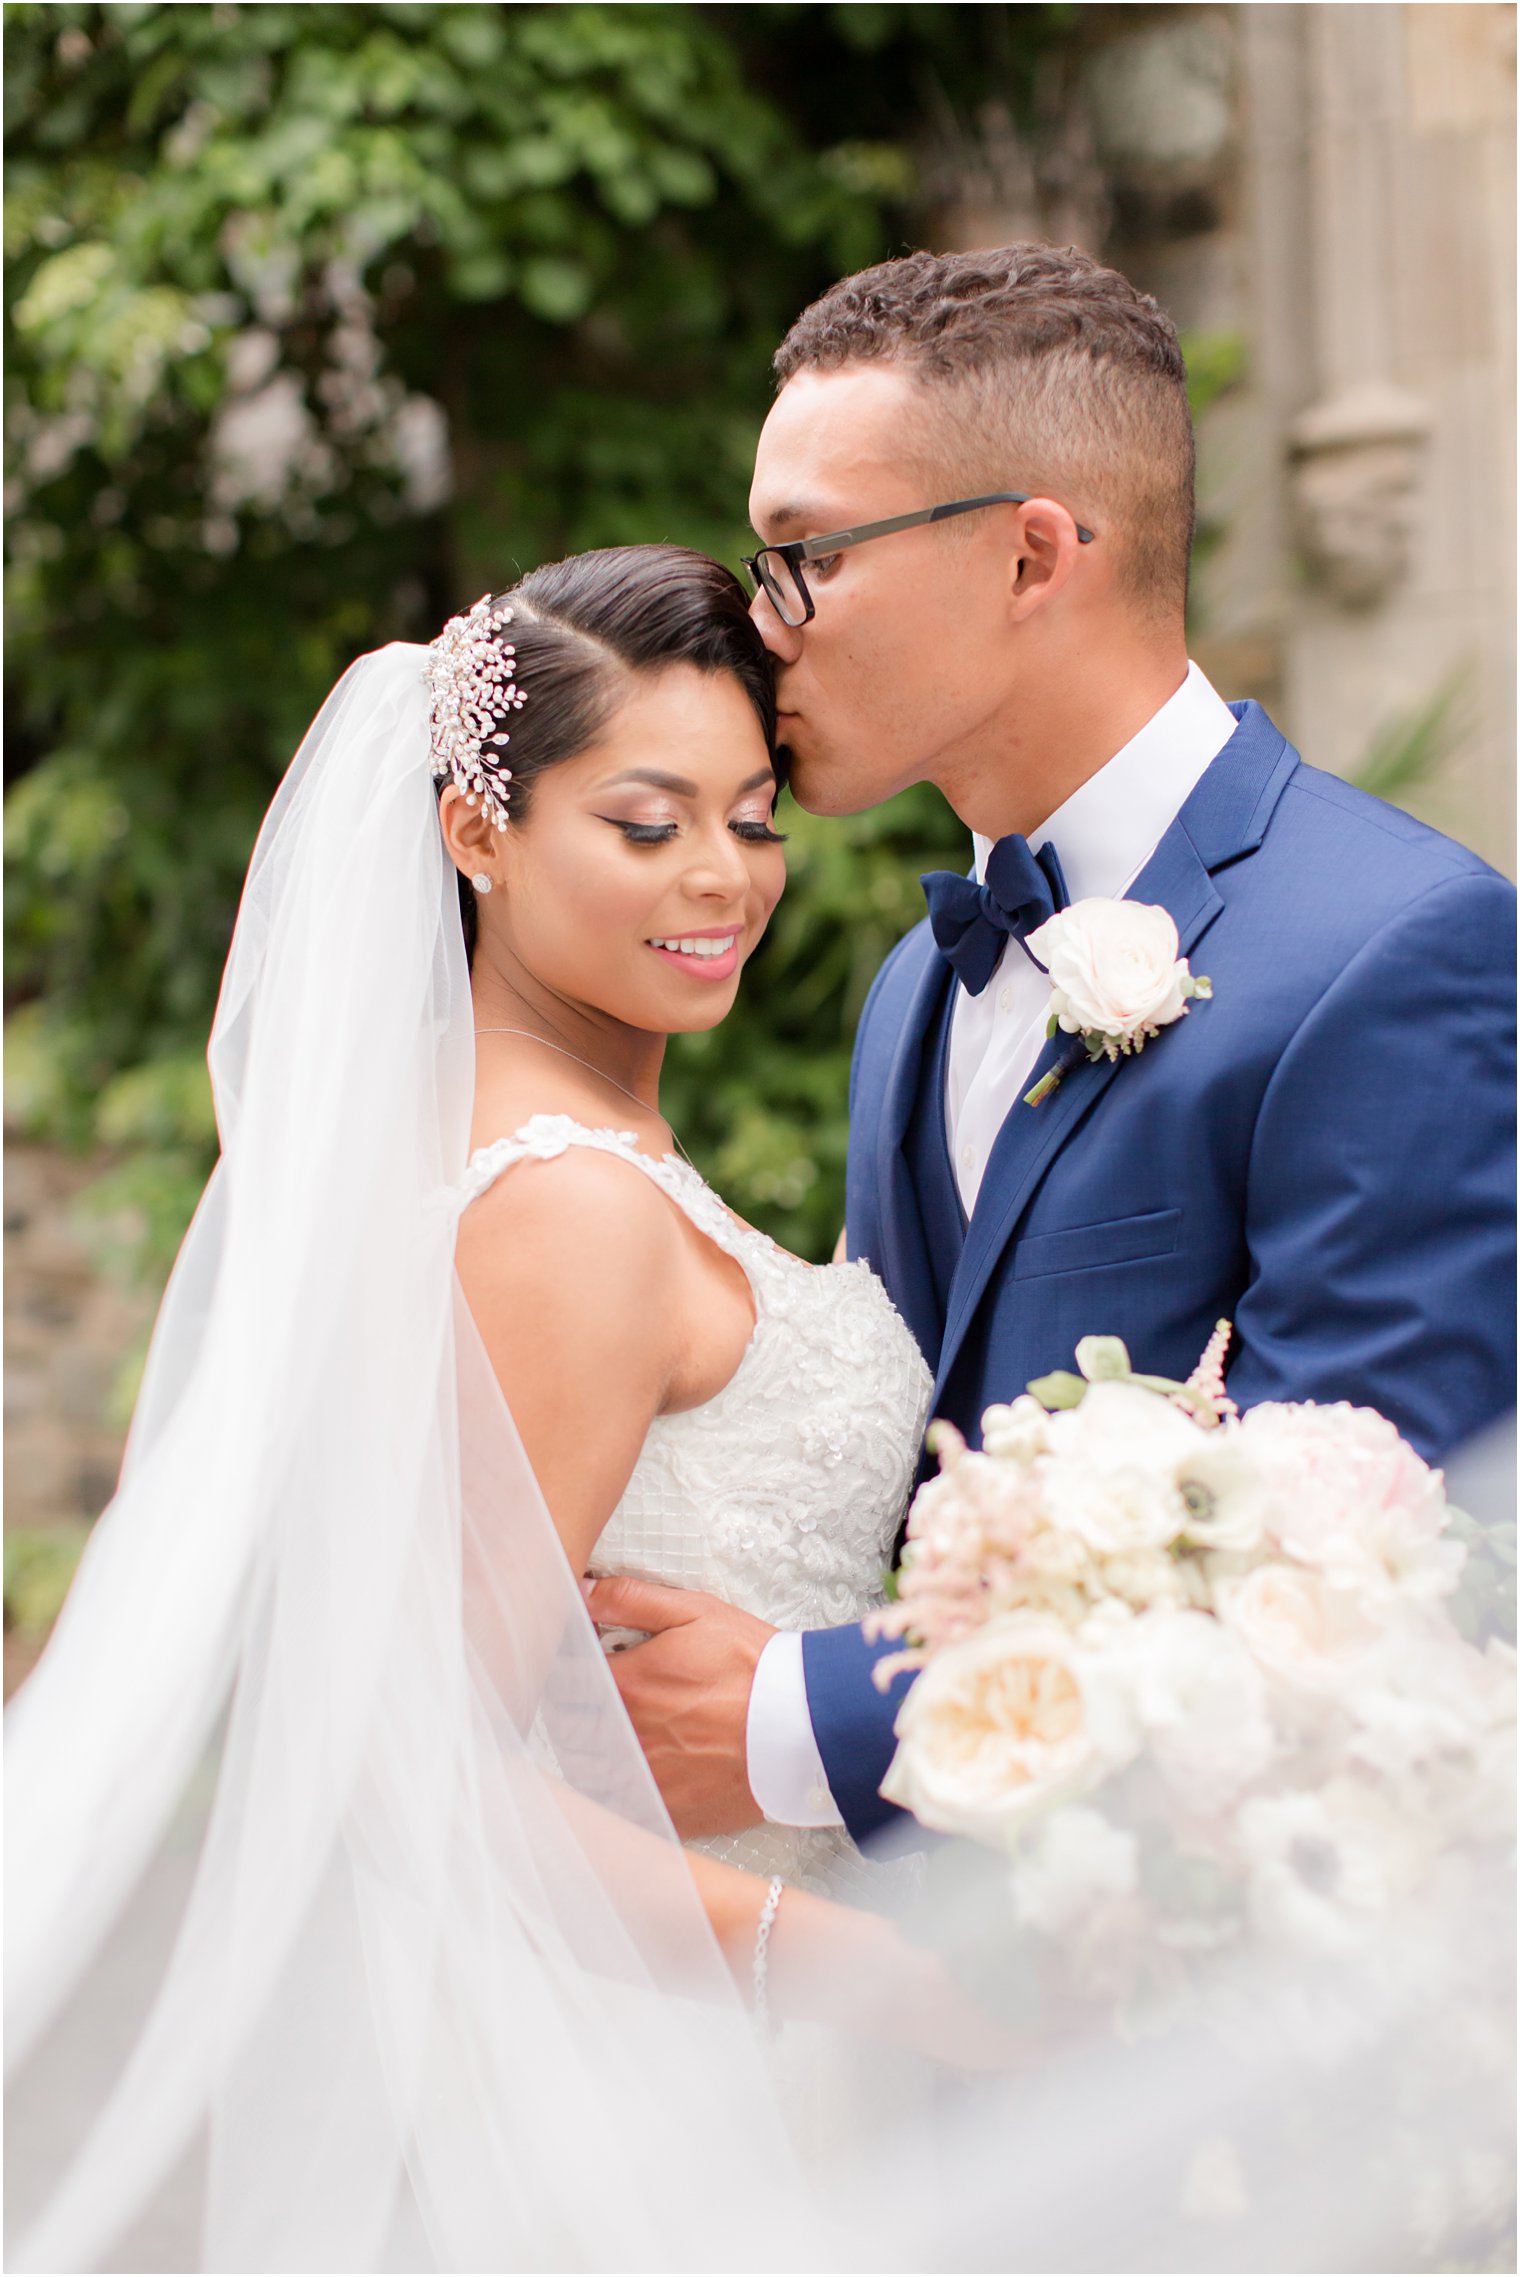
<point>687,1691</point>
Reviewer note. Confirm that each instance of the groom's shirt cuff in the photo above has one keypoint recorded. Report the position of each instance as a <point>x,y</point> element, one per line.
<point>786,1774</point>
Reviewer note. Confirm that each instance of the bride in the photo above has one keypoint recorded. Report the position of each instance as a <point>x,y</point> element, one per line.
<point>322,1788</point>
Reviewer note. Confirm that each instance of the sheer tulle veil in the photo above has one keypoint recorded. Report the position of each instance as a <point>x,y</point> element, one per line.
<point>435,1953</point>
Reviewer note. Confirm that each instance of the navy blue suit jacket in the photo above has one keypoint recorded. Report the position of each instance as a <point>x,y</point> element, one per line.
<point>1323,1154</point>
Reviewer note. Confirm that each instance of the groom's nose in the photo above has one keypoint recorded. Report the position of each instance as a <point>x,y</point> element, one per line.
<point>783,641</point>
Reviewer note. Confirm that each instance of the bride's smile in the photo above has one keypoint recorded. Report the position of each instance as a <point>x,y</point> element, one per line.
<point>717,950</point>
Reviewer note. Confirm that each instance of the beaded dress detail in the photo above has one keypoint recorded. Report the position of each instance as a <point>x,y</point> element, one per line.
<point>784,1493</point>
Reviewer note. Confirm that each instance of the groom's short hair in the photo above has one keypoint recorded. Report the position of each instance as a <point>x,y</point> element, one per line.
<point>1049,373</point>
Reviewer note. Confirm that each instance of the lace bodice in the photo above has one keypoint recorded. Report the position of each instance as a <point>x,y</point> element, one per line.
<point>784,1493</point>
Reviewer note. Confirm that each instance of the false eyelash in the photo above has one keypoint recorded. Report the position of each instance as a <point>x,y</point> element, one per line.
<point>661,833</point>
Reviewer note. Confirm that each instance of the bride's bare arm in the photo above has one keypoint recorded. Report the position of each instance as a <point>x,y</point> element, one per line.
<point>572,1270</point>
<point>838,1965</point>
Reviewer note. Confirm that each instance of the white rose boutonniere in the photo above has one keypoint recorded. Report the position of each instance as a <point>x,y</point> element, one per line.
<point>1115,978</point>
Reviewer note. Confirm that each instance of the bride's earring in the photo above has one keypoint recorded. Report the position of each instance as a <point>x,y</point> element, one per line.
<point>481,882</point>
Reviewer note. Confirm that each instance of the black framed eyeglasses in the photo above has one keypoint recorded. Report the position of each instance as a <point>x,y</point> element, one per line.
<point>776,571</point>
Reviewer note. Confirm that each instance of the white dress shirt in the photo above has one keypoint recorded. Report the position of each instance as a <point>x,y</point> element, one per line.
<point>1105,833</point>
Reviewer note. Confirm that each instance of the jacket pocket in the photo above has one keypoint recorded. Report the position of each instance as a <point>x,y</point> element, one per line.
<point>1118,1241</point>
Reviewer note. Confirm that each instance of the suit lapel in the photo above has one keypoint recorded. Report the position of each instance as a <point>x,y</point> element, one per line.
<point>1225,818</point>
<point>904,1262</point>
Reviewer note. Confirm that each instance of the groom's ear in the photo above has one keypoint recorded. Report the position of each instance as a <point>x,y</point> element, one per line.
<point>1046,554</point>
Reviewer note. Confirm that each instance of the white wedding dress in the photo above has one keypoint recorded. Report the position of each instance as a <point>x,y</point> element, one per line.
<point>784,1493</point>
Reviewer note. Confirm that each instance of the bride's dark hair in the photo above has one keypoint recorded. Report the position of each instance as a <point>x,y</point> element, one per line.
<point>582,628</point>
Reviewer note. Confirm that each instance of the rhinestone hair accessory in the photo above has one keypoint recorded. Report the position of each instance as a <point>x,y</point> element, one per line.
<point>471,677</point>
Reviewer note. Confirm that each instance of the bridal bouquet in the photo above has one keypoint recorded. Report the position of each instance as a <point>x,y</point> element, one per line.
<point>1204,1690</point>
<point>1196,1674</point>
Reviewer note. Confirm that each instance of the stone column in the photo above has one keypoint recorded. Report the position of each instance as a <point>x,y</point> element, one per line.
<point>1379,186</point>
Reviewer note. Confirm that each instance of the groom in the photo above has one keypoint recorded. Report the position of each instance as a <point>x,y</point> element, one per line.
<point>1322,1153</point>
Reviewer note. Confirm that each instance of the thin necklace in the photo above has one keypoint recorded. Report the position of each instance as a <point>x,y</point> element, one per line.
<point>528,1035</point>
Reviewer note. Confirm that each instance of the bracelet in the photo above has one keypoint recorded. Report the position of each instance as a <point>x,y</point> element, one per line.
<point>762,1950</point>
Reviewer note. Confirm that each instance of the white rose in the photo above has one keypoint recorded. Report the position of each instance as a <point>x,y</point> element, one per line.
<point>1428,1704</point>
<point>1200,1485</point>
<point>994,1731</point>
<point>1113,967</point>
<point>1351,1499</point>
<point>1195,1696</point>
<point>1111,1478</point>
<point>1128,1423</point>
<point>1294,1623</point>
<point>1113,1510</point>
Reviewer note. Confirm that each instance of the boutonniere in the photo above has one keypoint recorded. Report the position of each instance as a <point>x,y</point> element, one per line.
<point>1115,979</point>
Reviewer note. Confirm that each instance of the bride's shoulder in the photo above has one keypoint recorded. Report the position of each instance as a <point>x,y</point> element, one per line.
<point>557,1261</point>
<point>561,1204</point>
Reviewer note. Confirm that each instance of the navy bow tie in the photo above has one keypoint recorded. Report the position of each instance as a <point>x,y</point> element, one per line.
<point>971,922</point>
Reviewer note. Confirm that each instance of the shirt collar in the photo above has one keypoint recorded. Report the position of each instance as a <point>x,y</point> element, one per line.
<point>1111,825</point>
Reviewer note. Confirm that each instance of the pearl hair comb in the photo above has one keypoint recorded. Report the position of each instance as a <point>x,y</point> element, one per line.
<point>471,677</point>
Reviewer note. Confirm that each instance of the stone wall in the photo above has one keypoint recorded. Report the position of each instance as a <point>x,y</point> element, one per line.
<point>1372,533</point>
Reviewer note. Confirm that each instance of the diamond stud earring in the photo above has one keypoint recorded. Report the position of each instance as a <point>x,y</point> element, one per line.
<point>481,882</point>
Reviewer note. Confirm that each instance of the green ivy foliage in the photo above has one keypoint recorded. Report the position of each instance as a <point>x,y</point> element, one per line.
<point>253,254</point>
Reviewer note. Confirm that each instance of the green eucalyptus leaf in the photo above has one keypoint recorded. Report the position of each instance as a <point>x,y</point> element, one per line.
<point>1058,1390</point>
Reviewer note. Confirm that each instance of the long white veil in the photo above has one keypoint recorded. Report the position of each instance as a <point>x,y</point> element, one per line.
<point>325,1649</point>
